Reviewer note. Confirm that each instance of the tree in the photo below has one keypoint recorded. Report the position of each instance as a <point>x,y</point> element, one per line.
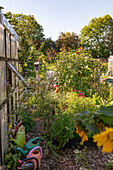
<point>67,40</point>
<point>30,34</point>
<point>49,48</point>
<point>97,36</point>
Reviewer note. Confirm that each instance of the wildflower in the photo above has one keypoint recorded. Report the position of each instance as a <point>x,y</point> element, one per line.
<point>43,61</point>
<point>80,95</point>
<point>71,89</point>
<point>57,89</point>
<point>105,139</point>
<point>10,126</point>
<point>79,91</point>
<point>56,86</point>
<point>82,134</point>
<point>76,90</point>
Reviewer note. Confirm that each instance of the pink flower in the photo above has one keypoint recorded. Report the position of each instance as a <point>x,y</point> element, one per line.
<point>76,90</point>
<point>83,96</point>
<point>56,86</point>
<point>80,94</point>
<point>79,91</point>
<point>53,85</point>
<point>71,87</point>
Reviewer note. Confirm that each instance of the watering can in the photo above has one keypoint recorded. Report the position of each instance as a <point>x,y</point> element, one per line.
<point>27,164</point>
<point>16,128</point>
<point>37,154</point>
<point>29,146</point>
<point>20,137</point>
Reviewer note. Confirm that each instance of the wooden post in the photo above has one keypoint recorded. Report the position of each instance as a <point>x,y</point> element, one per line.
<point>37,80</point>
<point>99,66</point>
<point>37,69</point>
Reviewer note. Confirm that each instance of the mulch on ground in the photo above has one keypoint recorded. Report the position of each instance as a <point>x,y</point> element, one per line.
<point>73,156</point>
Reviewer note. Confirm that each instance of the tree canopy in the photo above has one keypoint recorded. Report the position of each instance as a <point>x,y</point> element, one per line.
<point>67,40</point>
<point>30,34</point>
<point>97,36</point>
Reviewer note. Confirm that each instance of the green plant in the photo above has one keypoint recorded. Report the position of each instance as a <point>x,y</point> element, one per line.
<point>105,114</point>
<point>81,155</point>
<point>77,102</point>
<point>11,159</point>
<point>27,120</point>
<point>80,71</point>
<point>62,129</point>
<point>110,165</point>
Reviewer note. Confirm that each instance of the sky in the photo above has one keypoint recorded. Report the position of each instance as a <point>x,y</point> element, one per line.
<point>57,16</point>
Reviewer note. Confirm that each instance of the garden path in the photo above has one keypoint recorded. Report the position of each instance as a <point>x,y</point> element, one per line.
<point>87,157</point>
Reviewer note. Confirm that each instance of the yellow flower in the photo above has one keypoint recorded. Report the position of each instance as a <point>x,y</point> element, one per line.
<point>105,139</point>
<point>84,138</point>
<point>107,146</point>
<point>10,126</point>
<point>82,134</point>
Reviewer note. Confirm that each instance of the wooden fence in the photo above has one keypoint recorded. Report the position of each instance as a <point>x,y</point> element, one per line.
<point>9,84</point>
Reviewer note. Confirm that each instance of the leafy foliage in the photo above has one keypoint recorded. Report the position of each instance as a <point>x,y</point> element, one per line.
<point>62,129</point>
<point>30,34</point>
<point>106,114</point>
<point>49,49</point>
<point>80,71</point>
<point>67,41</point>
<point>11,159</point>
<point>27,120</point>
<point>96,37</point>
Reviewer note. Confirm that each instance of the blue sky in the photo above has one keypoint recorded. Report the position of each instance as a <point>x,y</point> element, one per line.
<point>60,15</point>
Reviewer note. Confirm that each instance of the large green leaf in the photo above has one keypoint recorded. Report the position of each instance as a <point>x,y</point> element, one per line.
<point>106,114</point>
<point>107,119</point>
<point>83,113</point>
<point>90,126</point>
<point>107,111</point>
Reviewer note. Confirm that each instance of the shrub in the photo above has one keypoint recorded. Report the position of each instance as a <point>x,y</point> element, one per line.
<point>79,71</point>
<point>77,102</point>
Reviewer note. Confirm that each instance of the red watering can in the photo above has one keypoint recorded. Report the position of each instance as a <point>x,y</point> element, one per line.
<point>15,128</point>
<point>37,154</point>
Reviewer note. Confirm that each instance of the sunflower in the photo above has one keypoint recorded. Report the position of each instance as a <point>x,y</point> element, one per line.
<point>82,134</point>
<point>105,139</point>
